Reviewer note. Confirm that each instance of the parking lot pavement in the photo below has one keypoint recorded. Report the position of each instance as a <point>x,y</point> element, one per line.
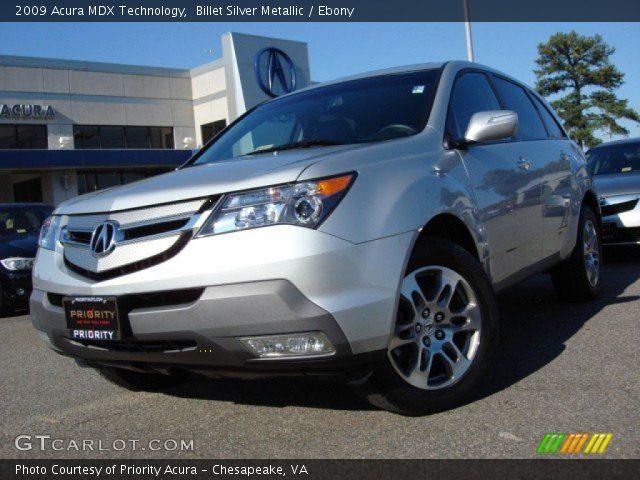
<point>563,368</point>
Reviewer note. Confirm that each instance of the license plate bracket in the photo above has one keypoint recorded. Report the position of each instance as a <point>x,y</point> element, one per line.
<point>92,318</point>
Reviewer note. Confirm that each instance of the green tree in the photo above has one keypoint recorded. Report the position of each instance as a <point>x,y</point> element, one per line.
<point>579,65</point>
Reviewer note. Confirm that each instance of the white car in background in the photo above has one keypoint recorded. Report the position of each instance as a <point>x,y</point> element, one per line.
<point>615,167</point>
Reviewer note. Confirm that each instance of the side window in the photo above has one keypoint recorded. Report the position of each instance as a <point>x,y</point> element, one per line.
<point>514,98</point>
<point>471,93</point>
<point>552,125</point>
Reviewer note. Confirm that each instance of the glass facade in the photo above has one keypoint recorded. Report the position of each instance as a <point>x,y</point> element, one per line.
<point>114,136</point>
<point>90,180</point>
<point>210,130</point>
<point>23,136</point>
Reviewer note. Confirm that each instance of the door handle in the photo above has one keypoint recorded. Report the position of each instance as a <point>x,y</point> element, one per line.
<point>523,163</point>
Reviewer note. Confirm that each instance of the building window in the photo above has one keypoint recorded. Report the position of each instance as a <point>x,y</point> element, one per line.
<point>212,129</point>
<point>161,137</point>
<point>138,137</point>
<point>90,180</point>
<point>23,136</point>
<point>113,136</point>
<point>28,190</point>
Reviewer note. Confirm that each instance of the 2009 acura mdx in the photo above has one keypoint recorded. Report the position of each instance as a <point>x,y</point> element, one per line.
<point>358,228</point>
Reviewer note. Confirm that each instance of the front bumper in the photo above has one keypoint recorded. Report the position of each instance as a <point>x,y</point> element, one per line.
<point>16,288</point>
<point>265,281</point>
<point>197,330</point>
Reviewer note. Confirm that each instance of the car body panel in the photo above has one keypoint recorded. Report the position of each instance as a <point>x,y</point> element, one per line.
<point>617,184</point>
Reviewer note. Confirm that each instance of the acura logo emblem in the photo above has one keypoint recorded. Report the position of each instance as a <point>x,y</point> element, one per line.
<point>103,239</point>
<point>275,72</point>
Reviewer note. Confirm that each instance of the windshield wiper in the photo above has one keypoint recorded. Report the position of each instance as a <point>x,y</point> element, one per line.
<point>291,146</point>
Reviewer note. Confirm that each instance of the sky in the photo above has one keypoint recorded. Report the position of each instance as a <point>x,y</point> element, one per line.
<point>335,49</point>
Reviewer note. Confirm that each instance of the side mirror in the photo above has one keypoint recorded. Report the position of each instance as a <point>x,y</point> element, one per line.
<point>491,125</point>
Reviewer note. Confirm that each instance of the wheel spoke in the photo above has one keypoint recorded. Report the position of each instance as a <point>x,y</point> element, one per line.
<point>411,288</point>
<point>426,360</point>
<point>448,285</point>
<point>416,375</point>
<point>472,313</point>
<point>399,342</point>
<point>460,365</point>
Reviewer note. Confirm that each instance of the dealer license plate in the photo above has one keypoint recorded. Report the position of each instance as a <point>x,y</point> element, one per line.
<point>92,318</point>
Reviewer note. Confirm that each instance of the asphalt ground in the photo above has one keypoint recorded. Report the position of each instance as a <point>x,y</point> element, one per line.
<point>562,368</point>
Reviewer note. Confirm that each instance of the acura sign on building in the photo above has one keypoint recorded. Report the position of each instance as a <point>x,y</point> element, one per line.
<point>27,111</point>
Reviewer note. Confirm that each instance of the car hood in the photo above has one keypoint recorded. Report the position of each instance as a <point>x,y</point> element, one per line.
<point>617,184</point>
<point>243,173</point>
<point>24,245</point>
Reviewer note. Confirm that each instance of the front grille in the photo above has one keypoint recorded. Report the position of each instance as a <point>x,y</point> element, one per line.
<point>154,229</point>
<point>135,346</point>
<point>617,208</point>
<point>80,237</point>
<point>611,233</point>
<point>148,262</point>
<point>165,298</point>
<point>143,237</point>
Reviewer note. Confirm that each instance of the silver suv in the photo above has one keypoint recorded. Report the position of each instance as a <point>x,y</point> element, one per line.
<point>357,229</point>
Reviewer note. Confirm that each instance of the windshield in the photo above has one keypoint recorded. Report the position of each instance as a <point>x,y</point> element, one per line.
<point>621,158</point>
<point>22,220</point>
<point>371,109</point>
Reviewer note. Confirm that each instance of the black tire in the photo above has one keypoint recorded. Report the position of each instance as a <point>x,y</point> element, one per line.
<point>4,310</point>
<point>140,381</point>
<point>385,388</point>
<point>570,279</point>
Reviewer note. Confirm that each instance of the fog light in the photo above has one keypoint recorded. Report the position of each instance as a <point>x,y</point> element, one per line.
<point>290,345</point>
<point>20,292</point>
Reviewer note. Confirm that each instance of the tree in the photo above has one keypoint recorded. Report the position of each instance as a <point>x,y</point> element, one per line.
<point>580,65</point>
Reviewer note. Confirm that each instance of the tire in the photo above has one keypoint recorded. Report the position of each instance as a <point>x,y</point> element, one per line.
<point>574,280</point>
<point>4,310</point>
<point>393,384</point>
<point>139,381</point>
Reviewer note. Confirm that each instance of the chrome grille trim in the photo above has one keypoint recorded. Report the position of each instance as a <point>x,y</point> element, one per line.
<point>128,217</point>
<point>131,250</point>
<point>122,255</point>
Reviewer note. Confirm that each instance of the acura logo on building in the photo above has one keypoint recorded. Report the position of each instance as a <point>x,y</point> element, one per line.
<point>27,111</point>
<point>275,72</point>
<point>103,240</point>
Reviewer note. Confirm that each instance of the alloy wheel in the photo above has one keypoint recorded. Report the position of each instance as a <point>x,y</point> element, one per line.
<point>591,251</point>
<point>437,332</point>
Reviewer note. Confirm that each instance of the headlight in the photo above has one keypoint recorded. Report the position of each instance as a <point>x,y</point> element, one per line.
<point>305,204</point>
<point>17,263</point>
<point>50,232</point>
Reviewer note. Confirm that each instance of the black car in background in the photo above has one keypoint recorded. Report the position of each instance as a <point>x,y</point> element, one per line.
<point>19,230</point>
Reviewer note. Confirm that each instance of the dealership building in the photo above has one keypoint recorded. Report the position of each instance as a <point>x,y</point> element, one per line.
<point>71,127</point>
